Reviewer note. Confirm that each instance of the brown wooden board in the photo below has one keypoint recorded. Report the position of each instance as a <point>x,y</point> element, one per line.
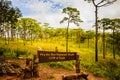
<point>50,56</point>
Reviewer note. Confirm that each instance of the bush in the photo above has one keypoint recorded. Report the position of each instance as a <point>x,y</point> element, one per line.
<point>117,74</point>
<point>113,70</point>
<point>9,53</point>
<point>2,51</point>
<point>21,53</point>
<point>108,68</point>
<point>63,65</point>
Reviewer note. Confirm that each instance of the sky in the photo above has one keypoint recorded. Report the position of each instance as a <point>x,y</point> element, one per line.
<point>50,11</point>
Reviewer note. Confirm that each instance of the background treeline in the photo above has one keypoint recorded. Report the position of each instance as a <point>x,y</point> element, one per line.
<point>30,29</point>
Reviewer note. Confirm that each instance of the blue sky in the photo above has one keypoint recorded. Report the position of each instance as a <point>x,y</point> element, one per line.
<point>50,11</point>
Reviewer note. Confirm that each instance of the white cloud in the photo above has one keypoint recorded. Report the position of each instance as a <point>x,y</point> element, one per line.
<point>44,12</point>
<point>39,6</point>
<point>111,11</point>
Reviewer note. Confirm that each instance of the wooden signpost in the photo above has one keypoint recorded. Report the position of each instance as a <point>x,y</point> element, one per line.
<point>50,56</point>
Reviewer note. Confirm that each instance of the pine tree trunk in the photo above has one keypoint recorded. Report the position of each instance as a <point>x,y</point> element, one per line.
<point>103,43</point>
<point>96,36</point>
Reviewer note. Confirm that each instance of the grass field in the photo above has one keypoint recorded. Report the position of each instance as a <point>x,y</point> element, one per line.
<point>104,67</point>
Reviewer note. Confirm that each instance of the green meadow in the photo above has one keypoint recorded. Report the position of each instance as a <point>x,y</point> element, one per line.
<point>108,67</point>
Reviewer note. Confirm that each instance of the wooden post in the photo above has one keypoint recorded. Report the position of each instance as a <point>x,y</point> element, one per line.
<point>56,49</point>
<point>75,77</point>
<point>63,77</point>
<point>35,66</point>
<point>77,63</point>
<point>38,54</point>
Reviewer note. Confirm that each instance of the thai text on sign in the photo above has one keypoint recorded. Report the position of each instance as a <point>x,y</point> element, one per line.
<point>46,56</point>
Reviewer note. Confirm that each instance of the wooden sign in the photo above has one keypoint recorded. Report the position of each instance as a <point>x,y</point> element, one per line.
<point>50,56</point>
<point>47,56</point>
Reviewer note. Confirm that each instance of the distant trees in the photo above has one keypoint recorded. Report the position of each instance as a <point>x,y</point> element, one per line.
<point>8,17</point>
<point>89,35</point>
<point>97,4</point>
<point>114,26</point>
<point>13,16</point>
<point>28,28</point>
<point>72,17</point>
<point>77,35</point>
<point>60,32</point>
<point>104,25</point>
<point>48,30</point>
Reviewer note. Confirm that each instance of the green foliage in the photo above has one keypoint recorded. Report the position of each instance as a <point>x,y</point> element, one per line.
<point>8,17</point>
<point>101,68</point>
<point>28,28</point>
<point>10,54</point>
<point>2,51</point>
<point>63,65</point>
<point>21,53</point>
<point>73,16</point>
<point>113,70</point>
<point>116,74</point>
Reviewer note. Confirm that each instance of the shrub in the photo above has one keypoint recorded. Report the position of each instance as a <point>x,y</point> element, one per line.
<point>21,53</point>
<point>117,74</point>
<point>9,53</point>
<point>2,51</point>
<point>63,65</point>
<point>113,70</point>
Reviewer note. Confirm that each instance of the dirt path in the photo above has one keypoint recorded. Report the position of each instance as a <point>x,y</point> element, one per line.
<point>47,73</point>
<point>56,74</point>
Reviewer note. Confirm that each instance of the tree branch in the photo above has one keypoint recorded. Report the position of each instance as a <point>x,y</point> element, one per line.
<point>93,1</point>
<point>107,3</point>
<point>101,2</point>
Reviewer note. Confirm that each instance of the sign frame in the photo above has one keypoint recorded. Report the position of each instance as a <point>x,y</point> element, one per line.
<point>52,56</point>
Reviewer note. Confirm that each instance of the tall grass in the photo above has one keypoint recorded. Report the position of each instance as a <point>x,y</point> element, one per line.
<point>104,67</point>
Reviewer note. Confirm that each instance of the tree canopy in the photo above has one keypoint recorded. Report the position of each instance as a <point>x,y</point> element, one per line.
<point>72,17</point>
